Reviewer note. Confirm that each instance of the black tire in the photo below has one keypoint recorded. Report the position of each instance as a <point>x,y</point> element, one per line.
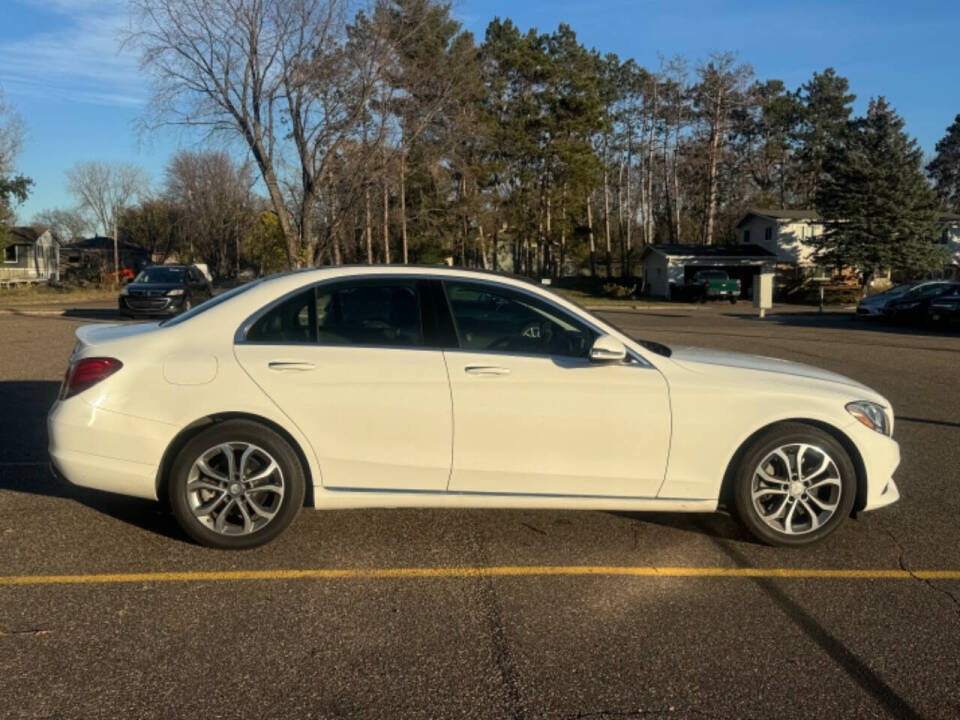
<point>237,431</point>
<point>733,301</point>
<point>759,449</point>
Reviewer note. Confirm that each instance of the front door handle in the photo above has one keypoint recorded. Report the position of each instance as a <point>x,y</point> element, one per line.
<point>293,365</point>
<point>486,370</point>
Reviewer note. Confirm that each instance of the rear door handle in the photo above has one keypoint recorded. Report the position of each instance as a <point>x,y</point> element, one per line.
<point>486,370</point>
<point>293,365</point>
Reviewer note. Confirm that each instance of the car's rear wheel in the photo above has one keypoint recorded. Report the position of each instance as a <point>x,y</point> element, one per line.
<point>236,485</point>
<point>795,485</point>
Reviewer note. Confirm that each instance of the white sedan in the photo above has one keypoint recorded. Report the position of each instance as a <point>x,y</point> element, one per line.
<point>430,387</point>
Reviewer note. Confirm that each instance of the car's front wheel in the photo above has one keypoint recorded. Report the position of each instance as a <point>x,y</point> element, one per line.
<point>795,485</point>
<point>235,485</point>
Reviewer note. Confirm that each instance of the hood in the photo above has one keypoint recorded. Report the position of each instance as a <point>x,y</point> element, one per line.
<point>153,287</point>
<point>691,357</point>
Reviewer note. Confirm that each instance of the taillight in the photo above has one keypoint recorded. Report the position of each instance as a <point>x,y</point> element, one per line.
<point>86,373</point>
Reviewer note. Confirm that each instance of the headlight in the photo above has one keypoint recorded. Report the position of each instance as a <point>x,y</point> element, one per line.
<point>175,292</point>
<point>872,415</point>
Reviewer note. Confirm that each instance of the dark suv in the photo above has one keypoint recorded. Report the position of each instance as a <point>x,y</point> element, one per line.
<point>164,290</point>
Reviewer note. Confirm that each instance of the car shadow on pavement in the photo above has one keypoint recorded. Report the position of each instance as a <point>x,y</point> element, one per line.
<point>100,314</point>
<point>858,671</point>
<point>23,460</point>
<point>715,525</point>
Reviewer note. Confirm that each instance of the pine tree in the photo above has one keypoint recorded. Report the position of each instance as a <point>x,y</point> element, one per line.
<point>945,167</point>
<point>878,209</point>
<point>827,104</point>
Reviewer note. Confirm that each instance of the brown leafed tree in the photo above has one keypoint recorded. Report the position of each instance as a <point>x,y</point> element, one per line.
<point>286,78</point>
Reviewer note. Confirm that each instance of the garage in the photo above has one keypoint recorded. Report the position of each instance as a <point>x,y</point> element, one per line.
<point>666,267</point>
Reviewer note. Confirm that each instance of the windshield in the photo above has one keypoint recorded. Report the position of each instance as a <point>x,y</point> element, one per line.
<point>212,302</point>
<point>161,275</point>
<point>651,345</point>
<point>927,290</point>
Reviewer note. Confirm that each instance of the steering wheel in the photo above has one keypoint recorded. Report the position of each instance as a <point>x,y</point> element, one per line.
<point>531,333</point>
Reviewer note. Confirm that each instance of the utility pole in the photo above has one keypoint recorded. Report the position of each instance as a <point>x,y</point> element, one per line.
<point>116,253</point>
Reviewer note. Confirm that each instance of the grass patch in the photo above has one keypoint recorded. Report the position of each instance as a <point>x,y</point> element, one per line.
<point>49,295</point>
<point>584,298</point>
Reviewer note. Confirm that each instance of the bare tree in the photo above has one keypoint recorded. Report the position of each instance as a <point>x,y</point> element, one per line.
<point>285,77</point>
<point>215,195</point>
<point>104,191</point>
<point>65,224</point>
<point>11,136</point>
<point>721,90</point>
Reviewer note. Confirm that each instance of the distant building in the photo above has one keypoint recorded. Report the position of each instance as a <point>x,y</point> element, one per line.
<point>667,267</point>
<point>95,255</point>
<point>951,240</point>
<point>31,255</point>
<point>787,234</point>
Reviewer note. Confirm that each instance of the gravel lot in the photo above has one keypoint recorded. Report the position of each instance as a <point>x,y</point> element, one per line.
<point>489,645</point>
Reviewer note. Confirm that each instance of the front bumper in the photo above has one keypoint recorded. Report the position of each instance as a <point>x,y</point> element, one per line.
<point>881,457</point>
<point>164,305</point>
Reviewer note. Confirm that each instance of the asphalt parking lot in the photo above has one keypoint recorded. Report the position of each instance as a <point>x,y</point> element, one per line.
<point>489,614</point>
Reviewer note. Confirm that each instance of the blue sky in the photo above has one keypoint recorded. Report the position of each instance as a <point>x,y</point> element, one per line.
<point>80,97</point>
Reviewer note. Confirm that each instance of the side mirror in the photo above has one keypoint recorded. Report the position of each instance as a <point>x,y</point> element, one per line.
<point>607,348</point>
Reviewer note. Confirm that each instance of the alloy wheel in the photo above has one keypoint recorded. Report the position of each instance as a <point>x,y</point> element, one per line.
<point>796,488</point>
<point>235,488</point>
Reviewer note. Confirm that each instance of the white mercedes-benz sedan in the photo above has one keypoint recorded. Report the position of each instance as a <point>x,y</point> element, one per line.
<point>396,386</point>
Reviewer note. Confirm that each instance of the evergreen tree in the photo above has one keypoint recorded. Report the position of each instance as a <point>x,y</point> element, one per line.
<point>827,104</point>
<point>878,209</point>
<point>945,167</point>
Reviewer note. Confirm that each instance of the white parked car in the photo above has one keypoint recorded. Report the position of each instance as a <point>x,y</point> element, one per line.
<point>410,387</point>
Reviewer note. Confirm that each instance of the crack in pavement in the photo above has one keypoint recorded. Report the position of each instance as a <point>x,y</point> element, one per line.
<point>926,581</point>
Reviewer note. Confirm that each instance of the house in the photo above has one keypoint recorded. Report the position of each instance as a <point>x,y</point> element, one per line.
<point>951,240</point>
<point>666,267</point>
<point>94,256</point>
<point>31,255</point>
<point>787,234</point>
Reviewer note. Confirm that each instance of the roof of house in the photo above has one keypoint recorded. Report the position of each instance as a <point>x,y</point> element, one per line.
<point>811,215</point>
<point>26,235</point>
<point>744,251</point>
<point>102,243</point>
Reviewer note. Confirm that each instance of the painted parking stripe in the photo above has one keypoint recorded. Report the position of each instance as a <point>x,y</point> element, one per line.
<point>470,572</point>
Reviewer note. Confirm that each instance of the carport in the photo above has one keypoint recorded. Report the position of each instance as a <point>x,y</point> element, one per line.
<point>668,266</point>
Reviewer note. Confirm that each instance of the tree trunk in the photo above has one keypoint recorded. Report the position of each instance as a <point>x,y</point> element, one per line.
<point>676,181</point>
<point>116,251</point>
<point>628,250</point>
<point>606,219</point>
<point>368,223</point>
<point>386,219</point>
<point>714,161</point>
<point>593,246</point>
<point>403,203</point>
<point>483,248</point>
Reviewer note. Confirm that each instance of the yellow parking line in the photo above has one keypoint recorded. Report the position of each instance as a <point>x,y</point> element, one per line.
<point>468,572</point>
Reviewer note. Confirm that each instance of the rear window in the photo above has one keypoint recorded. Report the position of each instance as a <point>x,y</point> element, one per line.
<point>212,302</point>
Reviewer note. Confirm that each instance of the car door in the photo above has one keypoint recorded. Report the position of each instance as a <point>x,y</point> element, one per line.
<point>347,362</point>
<point>533,415</point>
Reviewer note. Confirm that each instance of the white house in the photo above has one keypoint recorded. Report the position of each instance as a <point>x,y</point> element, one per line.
<point>30,255</point>
<point>951,239</point>
<point>785,233</point>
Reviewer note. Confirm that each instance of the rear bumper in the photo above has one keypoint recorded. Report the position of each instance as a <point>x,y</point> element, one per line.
<point>104,450</point>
